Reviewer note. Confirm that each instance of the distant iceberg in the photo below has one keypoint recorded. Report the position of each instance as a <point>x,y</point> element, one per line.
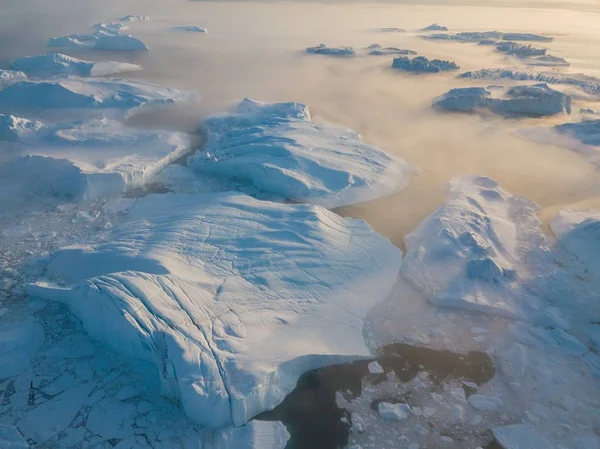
<point>469,36</point>
<point>57,64</point>
<point>519,50</point>
<point>124,42</point>
<point>135,18</point>
<point>420,64</point>
<point>277,148</point>
<point>378,50</point>
<point>434,27</point>
<point>9,77</point>
<point>392,30</point>
<point>536,100</point>
<point>322,49</point>
<point>526,37</point>
<point>189,28</point>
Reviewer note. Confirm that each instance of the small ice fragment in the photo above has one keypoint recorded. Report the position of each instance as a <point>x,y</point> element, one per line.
<point>446,439</point>
<point>458,394</point>
<point>469,384</point>
<point>485,403</point>
<point>358,423</point>
<point>398,412</point>
<point>375,368</point>
<point>420,430</point>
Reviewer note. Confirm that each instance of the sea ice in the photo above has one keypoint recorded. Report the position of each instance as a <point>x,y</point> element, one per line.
<point>18,343</point>
<point>485,403</point>
<point>480,225</point>
<point>520,436</point>
<point>254,435</point>
<point>11,438</point>
<point>536,100</point>
<point>99,157</point>
<point>322,49</point>
<point>396,412</point>
<point>277,147</point>
<point>420,64</point>
<point>586,83</point>
<point>434,27</point>
<point>189,28</point>
<point>84,93</point>
<point>378,50</point>
<point>57,64</point>
<point>231,298</point>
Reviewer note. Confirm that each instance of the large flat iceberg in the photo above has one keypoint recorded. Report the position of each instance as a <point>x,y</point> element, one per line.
<point>57,64</point>
<point>323,49</point>
<point>421,64</point>
<point>277,147</point>
<point>99,41</point>
<point>230,297</point>
<point>471,252</point>
<point>91,159</point>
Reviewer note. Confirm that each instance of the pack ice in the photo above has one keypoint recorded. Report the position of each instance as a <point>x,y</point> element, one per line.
<point>471,252</point>
<point>588,84</point>
<point>83,93</point>
<point>536,100</point>
<point>57,64</point>
<point>421,64</point>
<point>277,148</point>
<point>323,49</point>
<point>230,297</point>
<point>86,160</point>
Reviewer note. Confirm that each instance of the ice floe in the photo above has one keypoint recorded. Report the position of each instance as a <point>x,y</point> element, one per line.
<point>98,157</point>
<point>395,412</point>
<point>378,50</point>
<point>278,148</point>
<point>536,100</point>
<point>323,49</point>
<point>189,29</point>
<point>434,27</point>
<point>84,93</point>
<point>420,64</point>
<point>231,298</point>
<point>467,253</point>
<point>586,83</point>
<point>57,64</point>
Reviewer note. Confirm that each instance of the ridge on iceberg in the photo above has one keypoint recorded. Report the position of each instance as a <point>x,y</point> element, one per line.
<point>98,157</point>
<point>10,77</point>
<point>99,41</point>
<point>84,93</point>
<point>57,64</point>
<point>323,49</point>
<point>468,253</point>
<point>231,298</point>
<point>420,64</point>
<point>537,100</point>
<point>277,147</point>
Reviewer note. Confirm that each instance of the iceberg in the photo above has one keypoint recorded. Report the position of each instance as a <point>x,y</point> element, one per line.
<point>98,157</point>
<point>112,27</point>
<point>231,298</point>
<point>9,77</point>
<point>526,37</point>
<point>277,148</point>
<point>254,435</point>
<point>84,93</point>
<point>548,61</point>
<point>586,83</point>
<point>378,50</point>
<point>537,100</point>
<point>519,50</point>
<point>434,27</point>
<point>468,36</point>
<point>393,30</point>
<point>322,49</point>
<point>189,28</point>
<point>467,254</point>
<point>135,18</point>
<point>99,41</point>
<point>57,64</point>
<point>420,64</point>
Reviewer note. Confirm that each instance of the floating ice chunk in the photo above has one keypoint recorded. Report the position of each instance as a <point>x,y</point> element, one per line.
<point>99,157</point>
<point>485,403</point>
<point>57,64</point>
<point>99,41</point>
<point>254,435</point>
<point>469,36</point>
<point>536,100</point>
<point>393,30</point>
<point>276,147</point>
<point>189,29</point>
<point>434,27</point>
<point>458,394</point>
<point>322,49</point>
<point>420,64</point>
<point>378,50</point>
<point>11,438</point>
<point>84,93</point>
<point>18,343</point>
<point>14,128</point>
<point>395,412</point>
<point>135,18</point>
<point>230,297</point>
<point>526,37</point>
<point>547,60</point>
<point>358,423</point>
<point>588,84</point>
<point>375,368</point>
<point>519,50</point>
<point>520,436</point>
<point>9,77</point>
<point>478,221</point>
<point>112,27</point>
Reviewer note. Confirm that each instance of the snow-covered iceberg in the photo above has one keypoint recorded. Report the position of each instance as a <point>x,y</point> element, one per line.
<point>9,77</point>
<point>323,49</point>
<point>537,100</point>
<point>189,29</point>
<point>57,64</point>
<point>526,37</point>
<point>135,18</point>
<point>519,50</point>
<point>84,93</point>
<point>586,83</point>
<point>99,41</point>
<point>95,158</point>
<point>392,30</point>
<point>231,298</point>
<point>378,50</point>
<point>277,147</point>
<point>420,64</point>
<point>434,27</point>
<point>471,252</point>
<point>467,36</point>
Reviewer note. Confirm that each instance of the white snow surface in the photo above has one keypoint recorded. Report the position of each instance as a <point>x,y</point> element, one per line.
<point>90,159</point>
<point>469,253</point>
<point>58,64</point>
<point>278,148</point>
<point>231,298</point>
